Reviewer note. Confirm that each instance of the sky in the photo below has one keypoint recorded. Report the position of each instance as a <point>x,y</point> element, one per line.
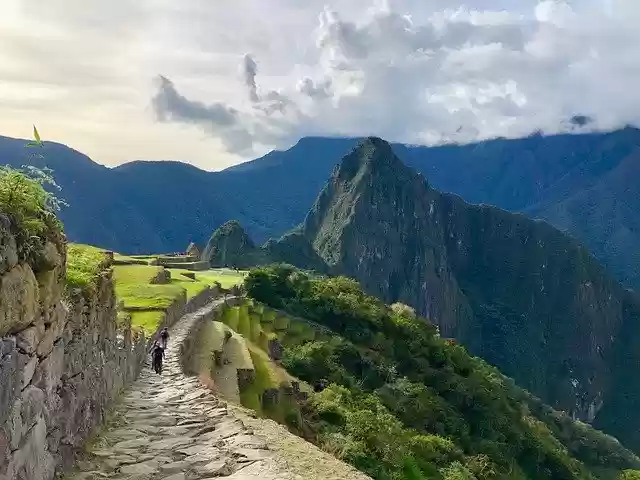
<point>217,83</point>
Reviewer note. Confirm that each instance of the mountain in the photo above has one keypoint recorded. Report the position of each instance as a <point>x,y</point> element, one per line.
<point>517,292</point>
<point>581,183</point>
<point>231,246</point>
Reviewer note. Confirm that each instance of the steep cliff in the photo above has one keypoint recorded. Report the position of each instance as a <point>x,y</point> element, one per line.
<point>517,292</point>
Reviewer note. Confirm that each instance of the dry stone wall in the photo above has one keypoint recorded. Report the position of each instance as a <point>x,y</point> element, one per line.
<point>62,360</point>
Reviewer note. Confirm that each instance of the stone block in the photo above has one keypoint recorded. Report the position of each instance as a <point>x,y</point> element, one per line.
<point>27,340</point>
<point>49,370</point>
<point>270,397</point>
<point>28,366</point>
<point>276,350</point>
<point>13,427</point>
<point>31,406</point>
<point>19,302</point>
<point>33,461</point>
<point>9,383</point>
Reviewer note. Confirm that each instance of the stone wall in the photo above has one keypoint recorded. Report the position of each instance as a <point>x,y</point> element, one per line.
<point>63,358</point>
<point>182,306</point>
<point>190,344</point>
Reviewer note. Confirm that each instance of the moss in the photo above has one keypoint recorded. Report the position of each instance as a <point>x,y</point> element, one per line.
<point>84,264</point>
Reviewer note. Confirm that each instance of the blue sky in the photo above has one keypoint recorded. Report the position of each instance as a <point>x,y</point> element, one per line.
<point>213,83</point>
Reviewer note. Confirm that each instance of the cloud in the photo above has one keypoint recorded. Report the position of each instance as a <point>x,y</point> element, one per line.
<point>220,119</point>
<point>242,79</point>
<point>250,70</point>
<point>453,75</point>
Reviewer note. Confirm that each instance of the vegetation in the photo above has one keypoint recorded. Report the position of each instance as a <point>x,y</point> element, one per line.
<point>404,403</point>
<point>29,206</point>
<point>148,301</point>
<point>84,263</point>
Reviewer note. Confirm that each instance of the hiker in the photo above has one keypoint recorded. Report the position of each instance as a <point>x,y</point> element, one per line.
<point>164,335</point>
<point>157,356</point>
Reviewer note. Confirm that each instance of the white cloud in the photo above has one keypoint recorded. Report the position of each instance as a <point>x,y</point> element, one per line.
<point>213,82</point>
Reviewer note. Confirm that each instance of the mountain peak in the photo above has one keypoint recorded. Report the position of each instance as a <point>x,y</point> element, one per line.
<point>228,244</point>
<point>373,156</point>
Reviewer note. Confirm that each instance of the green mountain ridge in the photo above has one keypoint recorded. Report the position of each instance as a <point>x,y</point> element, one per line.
<point>404,403</point>
<point>518,293</point>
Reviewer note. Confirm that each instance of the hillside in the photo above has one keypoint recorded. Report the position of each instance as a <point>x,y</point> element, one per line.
<point>580,183</point>
<point>401,401</point>
<point>516,292</point>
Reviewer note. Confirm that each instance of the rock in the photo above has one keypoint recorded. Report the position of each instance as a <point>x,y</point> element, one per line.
<point>216,468</point>
<point>170,443</point>
<point>27,340</point>
<point>48,258</point>
<point>9,383</point>
<point>28,370</point>
<point>13,426</point>
<point>32,405</point>
<point>52,334</point>
<point>49,370</point>
<point>174,467</point>
<point>246,441</point>
<point>251,453</point>
<point>7,345</point>
<point>18,299</point>
<point>5,451</point>
<point>135,443</point>
<point>176,476</point>
<point>144,468</point>
<point>33,457</point>
<point>270,397</point>
<point>276,349</point>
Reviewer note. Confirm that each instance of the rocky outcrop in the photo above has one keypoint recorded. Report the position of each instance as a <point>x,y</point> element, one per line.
<point>62,360</point>
<point>230,246</point>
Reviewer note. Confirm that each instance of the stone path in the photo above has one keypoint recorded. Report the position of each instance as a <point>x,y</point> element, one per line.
<point>168,427</point>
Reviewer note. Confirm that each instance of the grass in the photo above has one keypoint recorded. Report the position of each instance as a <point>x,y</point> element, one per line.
<point>265,378</point>
<point>147,301</point>
<point>134,274</point>
<point>193,287</point>
<point>148,320</point>
<point>226,278</point>
<point>149,297</point>
<point>248,320</point>
<point>84,263</point>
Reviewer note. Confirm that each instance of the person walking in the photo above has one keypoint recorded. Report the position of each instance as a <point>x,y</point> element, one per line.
<point>164,336</point>
<point>157,354</point>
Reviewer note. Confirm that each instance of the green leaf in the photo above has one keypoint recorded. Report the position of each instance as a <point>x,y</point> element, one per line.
<point>36,135</point>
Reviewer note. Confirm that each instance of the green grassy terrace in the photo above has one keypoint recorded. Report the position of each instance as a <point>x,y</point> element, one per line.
<point>145,302</point>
